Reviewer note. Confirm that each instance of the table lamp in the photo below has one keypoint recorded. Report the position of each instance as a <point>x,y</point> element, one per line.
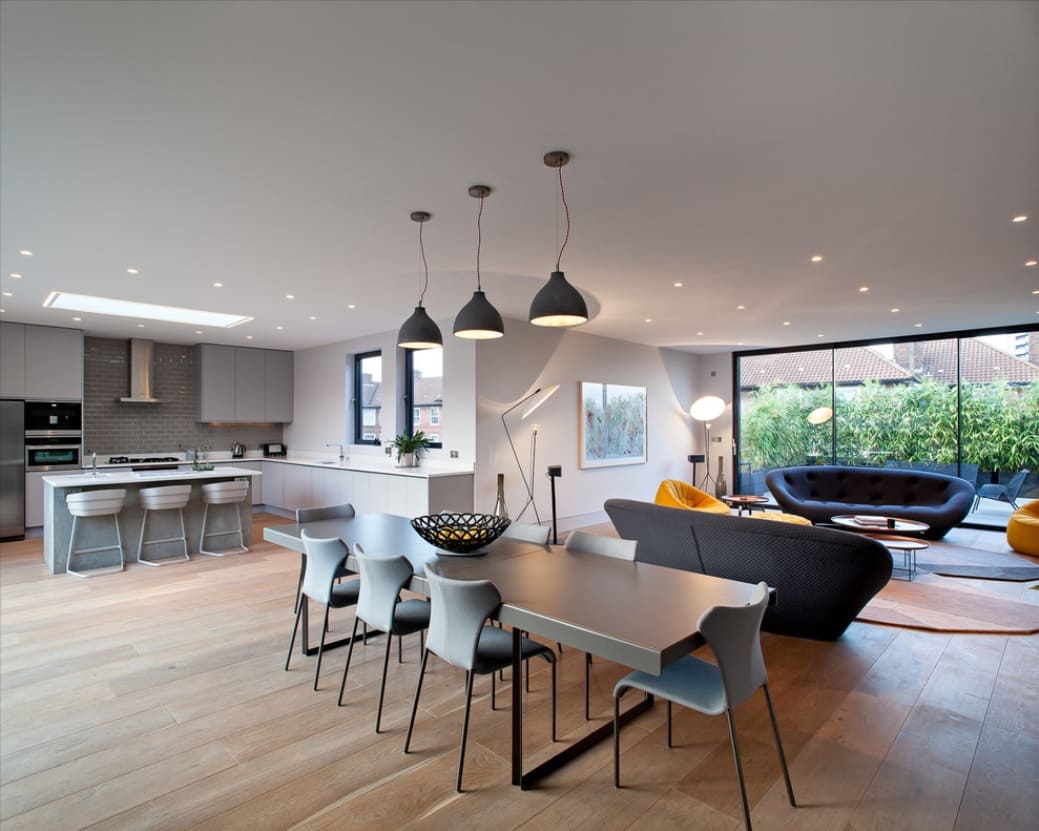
<point>707,409</point>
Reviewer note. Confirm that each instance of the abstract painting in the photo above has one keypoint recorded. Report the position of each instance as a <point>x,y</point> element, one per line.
<point>612,430</point>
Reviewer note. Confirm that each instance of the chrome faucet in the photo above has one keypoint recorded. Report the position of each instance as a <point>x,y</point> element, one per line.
<point>93,463</point>
<point>342,454</point>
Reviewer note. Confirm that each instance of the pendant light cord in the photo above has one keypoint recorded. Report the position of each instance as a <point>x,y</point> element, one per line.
<point>425,265</point>
<point>479,241</point>
<point>566,209</point>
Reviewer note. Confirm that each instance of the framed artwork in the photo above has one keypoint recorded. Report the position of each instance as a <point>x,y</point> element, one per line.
<point>612,429</point>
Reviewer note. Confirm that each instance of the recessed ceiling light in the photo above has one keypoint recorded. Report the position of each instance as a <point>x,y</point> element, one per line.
<point>290,297</point>
<point>786,322</point>
<point>649,320</point>
<point>218,285</point>
<point>896,309</point>
<point>248,337</point>
<point>739,343</point>
<point>279,328</point>
<point>15,276</point>
<point>700,333</point>
<point>1028,264</point>
<point>1018,218</point>
<point>132,271</point>
<point>351,306</point>
<point>863,288</point>
<point>198,331</point>
<point>312,317</point>
<point>741,308</point>
<point>25,252</point>
<point>8,294</point>
<point>128,308</point>
<point>140,325</point>
<point>918,325</point>
<point>817,258</point>
<point>678,285</point>
<point>4,310</point>
<point>77,319</point>
<point>819,335</point>
<point>1036,291</point>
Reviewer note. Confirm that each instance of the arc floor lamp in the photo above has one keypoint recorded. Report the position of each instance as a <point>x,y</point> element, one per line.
<point>707,409</point>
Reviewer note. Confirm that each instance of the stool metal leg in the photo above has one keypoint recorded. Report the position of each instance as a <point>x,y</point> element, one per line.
<point>95,572</point>
<point>202,537</point>
<point>166,561</point>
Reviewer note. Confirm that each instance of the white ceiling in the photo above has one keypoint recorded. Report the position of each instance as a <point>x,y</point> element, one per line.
<point>279,148</point>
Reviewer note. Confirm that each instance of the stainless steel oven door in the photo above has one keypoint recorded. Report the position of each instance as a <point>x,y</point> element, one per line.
<point>53,454</point>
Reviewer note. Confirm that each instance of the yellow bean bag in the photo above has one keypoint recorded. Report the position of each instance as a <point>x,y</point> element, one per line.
<point>1023,529</point>
<point>793,519</point>
<point>675,493</point>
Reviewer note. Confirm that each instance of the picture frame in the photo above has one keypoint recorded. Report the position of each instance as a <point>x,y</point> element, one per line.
<point>612,426</point>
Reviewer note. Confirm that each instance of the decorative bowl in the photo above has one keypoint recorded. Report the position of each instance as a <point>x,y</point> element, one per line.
<point>459,533</point>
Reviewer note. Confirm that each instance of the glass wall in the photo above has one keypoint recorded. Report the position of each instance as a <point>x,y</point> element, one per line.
<point>962,405</point>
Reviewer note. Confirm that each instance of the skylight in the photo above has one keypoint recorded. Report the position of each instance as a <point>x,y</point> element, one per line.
<point>146,311</point>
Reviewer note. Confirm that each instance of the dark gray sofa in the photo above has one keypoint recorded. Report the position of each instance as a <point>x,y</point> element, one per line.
<point>820,492</point>
<point>822,578</point>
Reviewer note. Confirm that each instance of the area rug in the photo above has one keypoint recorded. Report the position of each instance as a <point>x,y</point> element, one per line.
<point>1017,574</point>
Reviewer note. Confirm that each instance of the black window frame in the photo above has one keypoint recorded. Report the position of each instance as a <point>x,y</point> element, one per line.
<point>409,395</point>
<point>358,403</point>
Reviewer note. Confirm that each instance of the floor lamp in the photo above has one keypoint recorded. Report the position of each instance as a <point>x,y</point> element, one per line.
<point>707,409</point>
<point>528,480</point>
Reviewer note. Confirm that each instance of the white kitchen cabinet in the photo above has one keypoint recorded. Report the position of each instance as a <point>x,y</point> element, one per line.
<point>362,501</point>
<point>273,484</point>
<point>298,492</point>
<point>250,374</point>
<point>34,498</point>
<point>278,403</point>
<point>53,363</point>
<point>12,360</point>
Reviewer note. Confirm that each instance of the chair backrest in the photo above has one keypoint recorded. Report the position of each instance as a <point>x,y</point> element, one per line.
<point>96,503</point>
<point>528,532</point>
<point>1016,482</point>
<point>324,557</point>
<point>603,546</point>
<point>382,579</point>
<point>164,497</point>
<point>345,511</point>
<point>457,613</point>
<point>223,493</point>
<point>734,634</point>
<point>674,493</point>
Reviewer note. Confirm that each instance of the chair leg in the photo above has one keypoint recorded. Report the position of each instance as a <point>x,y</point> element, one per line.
<point>400,648</point>
<point>414,706</point>
<point>382,686</point>
<point>669,725</point>
<point>321,646</point>
<point>140,542</point>
<point>779,747</point>
<point>421,640</point>
<point>346,666</point>
<point>553,700</point>
<point>492,690</point>
<point>299,585</point>
<point>739,767</point>
<point>465,727</point>
<point>526,674</point>
<point>587,676</point>
<point>617,738</point>
<point>295,628</point>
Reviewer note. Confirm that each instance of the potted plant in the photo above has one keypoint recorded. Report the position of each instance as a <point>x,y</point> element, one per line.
<point>410,448</point>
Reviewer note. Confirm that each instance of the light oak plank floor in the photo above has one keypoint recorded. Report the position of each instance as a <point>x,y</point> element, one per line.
<point>156,698</point>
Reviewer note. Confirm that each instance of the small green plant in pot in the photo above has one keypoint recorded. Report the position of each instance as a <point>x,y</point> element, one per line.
<point>409,449</point>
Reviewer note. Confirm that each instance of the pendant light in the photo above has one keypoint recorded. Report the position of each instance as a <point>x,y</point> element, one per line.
<point>558,303</point>
<point>420,331</point>
<point>478,319</point>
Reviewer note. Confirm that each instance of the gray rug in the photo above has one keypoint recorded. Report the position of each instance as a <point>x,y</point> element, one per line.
<point>1020,574</point>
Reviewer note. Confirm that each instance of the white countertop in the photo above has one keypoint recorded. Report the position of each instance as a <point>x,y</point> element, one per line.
<point>108,478</point>
<point>376,464</point>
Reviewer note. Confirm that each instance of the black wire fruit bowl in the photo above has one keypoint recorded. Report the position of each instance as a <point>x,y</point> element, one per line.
<point>460,533</point>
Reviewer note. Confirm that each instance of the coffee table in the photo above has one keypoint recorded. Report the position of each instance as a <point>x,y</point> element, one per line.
<point>907,546</point>
<point>741,501</point>
<point>892,525</point>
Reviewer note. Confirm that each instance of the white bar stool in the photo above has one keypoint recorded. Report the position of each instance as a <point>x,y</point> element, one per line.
<point>223,493</point>
<point>165,498</point>
<point>94,504</point>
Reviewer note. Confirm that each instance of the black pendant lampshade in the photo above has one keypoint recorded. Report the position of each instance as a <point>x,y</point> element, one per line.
<point>478,319</point>
<point>559,303</point>
<point>420,331</point>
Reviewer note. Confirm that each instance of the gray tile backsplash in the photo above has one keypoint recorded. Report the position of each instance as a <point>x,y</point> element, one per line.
<point>110,426</point>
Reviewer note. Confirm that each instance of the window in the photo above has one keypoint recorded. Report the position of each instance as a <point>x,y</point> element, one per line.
<point>368,398</point>
<point>424,388</point>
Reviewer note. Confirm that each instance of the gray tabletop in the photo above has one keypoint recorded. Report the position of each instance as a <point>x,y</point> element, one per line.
<point>637,614</point>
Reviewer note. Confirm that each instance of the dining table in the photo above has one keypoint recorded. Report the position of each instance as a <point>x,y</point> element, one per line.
<point>636,614</point>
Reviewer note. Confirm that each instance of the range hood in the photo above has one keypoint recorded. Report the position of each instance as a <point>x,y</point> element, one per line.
<point>140,373</point>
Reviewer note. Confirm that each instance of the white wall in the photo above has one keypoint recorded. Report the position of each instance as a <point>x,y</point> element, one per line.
<point>323,388</point>
<point>529,357</point>
<point>714,377</point>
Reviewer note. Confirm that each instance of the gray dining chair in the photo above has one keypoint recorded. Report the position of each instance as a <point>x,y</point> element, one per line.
<point>734,635</point>
<point>325,559</point>
<point>1002,493</point>
<point>458,633</point>
<point>601,546</point>
<point>380,606</point>
<point>528,532</point>
<point>344,511</point>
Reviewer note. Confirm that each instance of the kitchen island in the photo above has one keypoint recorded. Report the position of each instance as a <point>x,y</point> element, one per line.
<point>57,521</point>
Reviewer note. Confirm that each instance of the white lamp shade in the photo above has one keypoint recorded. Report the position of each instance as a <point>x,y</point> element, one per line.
<point>707,408</point>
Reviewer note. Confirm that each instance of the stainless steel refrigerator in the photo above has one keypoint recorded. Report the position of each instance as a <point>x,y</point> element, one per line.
<point>12,470</point>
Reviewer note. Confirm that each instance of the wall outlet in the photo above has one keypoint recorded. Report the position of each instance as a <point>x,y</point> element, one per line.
<point>454,454</point>
<point>388,450</point>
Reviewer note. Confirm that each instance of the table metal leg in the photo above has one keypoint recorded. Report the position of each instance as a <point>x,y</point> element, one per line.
<point>307,649</point>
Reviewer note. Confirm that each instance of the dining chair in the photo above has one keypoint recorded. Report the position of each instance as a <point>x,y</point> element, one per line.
<point>380,606</point>
<point>459,634</point>
<point>1002,493</point>
<point>527,532</point>
<point>344,511</point>
<point>601,546</point>
<point>324,564</point>
<point>734,635</point>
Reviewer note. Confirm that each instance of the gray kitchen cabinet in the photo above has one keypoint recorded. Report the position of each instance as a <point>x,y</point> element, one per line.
<point>12,360</point>
<point>298,492</point>
<point>34,499</point>
<point>273,484</point>
<point>250,384</point>
<point>53,363</point>
<point>278,405</point>
<point>215,382</point>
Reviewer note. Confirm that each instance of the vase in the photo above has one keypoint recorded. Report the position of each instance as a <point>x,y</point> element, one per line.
<point>721,487</point>
<point>407,460</point>
<point>499,503</point>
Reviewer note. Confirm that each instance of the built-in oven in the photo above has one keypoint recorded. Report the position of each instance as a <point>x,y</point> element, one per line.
<point>53,452</point>
<point>53,418</point>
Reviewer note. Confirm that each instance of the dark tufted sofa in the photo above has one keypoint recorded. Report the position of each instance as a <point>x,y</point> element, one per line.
<point>822,578</point>
<point>819,492</point>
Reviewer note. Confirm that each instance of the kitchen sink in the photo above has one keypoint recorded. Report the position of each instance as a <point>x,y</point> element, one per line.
<point>333,462</point>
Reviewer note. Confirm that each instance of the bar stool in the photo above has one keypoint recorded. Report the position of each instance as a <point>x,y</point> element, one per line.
<point>94,504</point>
<point>165,498</point>
<point>223,493</point>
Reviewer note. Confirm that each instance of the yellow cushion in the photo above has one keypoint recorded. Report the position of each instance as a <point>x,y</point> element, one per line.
<point>1023,529</point>
<point>793,519</point>
<point>675,493</point>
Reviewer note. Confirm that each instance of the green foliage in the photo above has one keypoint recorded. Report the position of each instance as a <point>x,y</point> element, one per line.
<point>417,443</point>
<point>902,422</point>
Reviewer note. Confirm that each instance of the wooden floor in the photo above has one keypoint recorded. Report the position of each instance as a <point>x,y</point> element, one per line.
<point>156,698</point>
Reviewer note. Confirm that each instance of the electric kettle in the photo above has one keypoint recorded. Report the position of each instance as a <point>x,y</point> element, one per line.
<point>237,450</point>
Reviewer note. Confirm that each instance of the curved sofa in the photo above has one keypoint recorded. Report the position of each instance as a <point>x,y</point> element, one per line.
<point>822,577</point>
<point>820,492</point>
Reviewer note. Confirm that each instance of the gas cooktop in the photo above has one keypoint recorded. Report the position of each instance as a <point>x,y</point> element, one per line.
<point>134,460</point>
